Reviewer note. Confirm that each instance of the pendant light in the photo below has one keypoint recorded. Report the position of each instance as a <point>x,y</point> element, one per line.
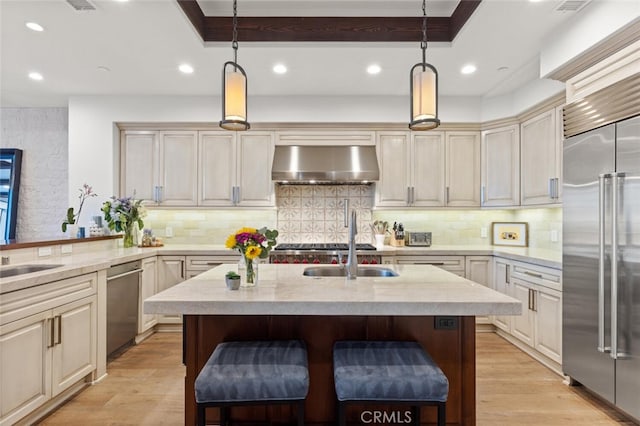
<point>423,81</point>
<point>234,87</point>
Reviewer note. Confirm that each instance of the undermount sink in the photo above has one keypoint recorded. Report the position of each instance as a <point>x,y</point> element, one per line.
<point>324,271</point>
<point>11,271</point>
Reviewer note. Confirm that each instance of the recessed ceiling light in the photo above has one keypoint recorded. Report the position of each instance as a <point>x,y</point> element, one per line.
<point>34,26</point>
<point>186,68</point>
<point>279,68</point>
<point>468,69</point>
<point>35,76</point>
<point>374,69</point>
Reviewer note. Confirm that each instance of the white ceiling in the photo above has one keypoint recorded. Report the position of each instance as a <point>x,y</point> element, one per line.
<point>142,42</point>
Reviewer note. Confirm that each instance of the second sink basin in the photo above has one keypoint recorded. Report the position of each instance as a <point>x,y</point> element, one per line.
<point>324,271</point>
<point>11,271</point>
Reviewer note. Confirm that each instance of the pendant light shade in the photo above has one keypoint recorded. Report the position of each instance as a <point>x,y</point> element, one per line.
<point>424,97</point>
<point>234,97</point>
<point>423,87</point>
<point>234,87</point>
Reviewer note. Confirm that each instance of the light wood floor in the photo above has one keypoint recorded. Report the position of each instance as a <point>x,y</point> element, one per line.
<point>145,387</point>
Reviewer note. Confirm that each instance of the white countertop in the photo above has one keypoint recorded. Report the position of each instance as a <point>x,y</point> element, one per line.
<point>82,262</point>
<point>283,290</point>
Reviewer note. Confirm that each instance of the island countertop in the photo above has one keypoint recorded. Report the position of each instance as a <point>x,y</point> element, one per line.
<point>283,290</point>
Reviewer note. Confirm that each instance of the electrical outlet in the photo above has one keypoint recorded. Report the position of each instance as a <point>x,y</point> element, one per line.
<point>554,235</point>
<point>44,251</point>
<point>168,232</point>
<point>66,248</point>
<point>483,232</point>
<point>446,323</point>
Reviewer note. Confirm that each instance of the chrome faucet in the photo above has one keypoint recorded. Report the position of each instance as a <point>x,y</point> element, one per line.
<point>352,260</point>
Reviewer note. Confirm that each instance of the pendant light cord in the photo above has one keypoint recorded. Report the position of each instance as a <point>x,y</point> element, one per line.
<point>423,44</point>
<point>234,42</point>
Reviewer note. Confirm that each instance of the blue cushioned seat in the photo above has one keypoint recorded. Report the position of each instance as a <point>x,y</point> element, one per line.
<point>251,373</point>
<point>389,372</point>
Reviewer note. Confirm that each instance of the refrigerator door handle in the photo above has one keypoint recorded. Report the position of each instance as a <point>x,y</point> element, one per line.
<point>614,264</point>
<point>601,236</point>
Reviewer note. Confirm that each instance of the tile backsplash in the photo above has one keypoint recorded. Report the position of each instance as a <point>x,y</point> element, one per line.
<point>315,213</point>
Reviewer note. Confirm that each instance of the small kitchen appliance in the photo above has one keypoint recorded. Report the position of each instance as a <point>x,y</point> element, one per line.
<point>419,239</point>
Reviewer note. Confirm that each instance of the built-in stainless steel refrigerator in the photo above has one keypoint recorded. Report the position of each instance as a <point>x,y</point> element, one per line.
<point>601,262</point>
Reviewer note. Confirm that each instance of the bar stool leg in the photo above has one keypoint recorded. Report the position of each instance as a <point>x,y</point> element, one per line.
<point>300,413</point>
<point>442,413</point>
<point>224,415</point>
<point>342,421</point>
<point>415,414</point>
<point>201,415</point>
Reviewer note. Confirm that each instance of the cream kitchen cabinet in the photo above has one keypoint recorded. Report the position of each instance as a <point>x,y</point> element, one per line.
<point>479,269</point>
<point>235,169</point>
<point>432,169</point>
<point>148,287</point>
<point>500,167</point>
<point>160,166</point>
<point>539,289</point>
<point>462,184</point>
<point>47,344</point>
<point>171,271</point>
<point>412,169</point>
<point>541,159</point>
<point>199,264</point>
<point>453,264</point>
<point>502,284</point>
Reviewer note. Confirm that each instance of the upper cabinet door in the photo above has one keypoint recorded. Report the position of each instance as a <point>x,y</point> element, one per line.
<point>139,159</point>
<point>255,158</point>
<point>428,169</point>
<point>178,168</point>
<point>500,172</point>
<point>540,156</point>
<point>392,190</point>
<point>217,168</point>
<point>463,169</point>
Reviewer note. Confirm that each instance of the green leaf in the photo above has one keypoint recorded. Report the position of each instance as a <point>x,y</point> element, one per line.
<point>70,216</point>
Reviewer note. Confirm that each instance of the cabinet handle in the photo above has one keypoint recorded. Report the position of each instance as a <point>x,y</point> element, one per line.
<point>429,263</point>
<point>557,188</point>
<point>157,194</point>
<point>551,188</point>
<point>529,300</point>
<point>51,332</point>
<point>408,195</point>
<point>237,195</point>
<point>507,274</point>
<point>446,196</point>
<point>59,330</point>
<point>482,190</point>
<point>533,274</point>
<point>534,300</point>
<point>413,195</point>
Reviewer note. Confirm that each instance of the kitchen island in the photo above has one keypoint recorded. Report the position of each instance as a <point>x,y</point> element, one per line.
<point>423,303</point>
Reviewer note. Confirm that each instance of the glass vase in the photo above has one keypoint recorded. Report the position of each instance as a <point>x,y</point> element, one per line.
<point>127,238</point>
<point>248,271</point>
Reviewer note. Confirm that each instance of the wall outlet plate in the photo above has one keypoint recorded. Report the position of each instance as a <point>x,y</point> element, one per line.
<point>554,235</point>
<point>66,248</point>
<point>168,231</point>
<point>44,251</point>
<point>483,232</point>
<point>446,323</point>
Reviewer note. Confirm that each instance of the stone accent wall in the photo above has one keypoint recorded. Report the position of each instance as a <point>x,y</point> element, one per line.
<point>42,134</point>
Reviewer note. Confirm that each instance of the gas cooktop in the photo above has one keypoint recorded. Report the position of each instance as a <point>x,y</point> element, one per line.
<point>322,246</point>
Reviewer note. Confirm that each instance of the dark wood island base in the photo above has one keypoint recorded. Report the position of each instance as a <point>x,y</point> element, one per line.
<point>452,349</point>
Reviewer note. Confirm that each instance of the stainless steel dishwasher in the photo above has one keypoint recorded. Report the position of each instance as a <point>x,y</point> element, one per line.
<point>123,282</point>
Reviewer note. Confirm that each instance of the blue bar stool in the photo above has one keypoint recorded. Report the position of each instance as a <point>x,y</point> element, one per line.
<point>253,373</point>
<point>388,372</point>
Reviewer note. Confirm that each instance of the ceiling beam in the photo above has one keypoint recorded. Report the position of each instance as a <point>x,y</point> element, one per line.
<point>329,29</point>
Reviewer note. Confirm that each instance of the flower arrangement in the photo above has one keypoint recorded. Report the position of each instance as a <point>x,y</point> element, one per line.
<point>72,218</point>
<point>122,213</point>
<point>252,243</point>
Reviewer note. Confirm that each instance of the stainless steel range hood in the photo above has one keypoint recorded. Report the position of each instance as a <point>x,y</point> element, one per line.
<point>325,164</point>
